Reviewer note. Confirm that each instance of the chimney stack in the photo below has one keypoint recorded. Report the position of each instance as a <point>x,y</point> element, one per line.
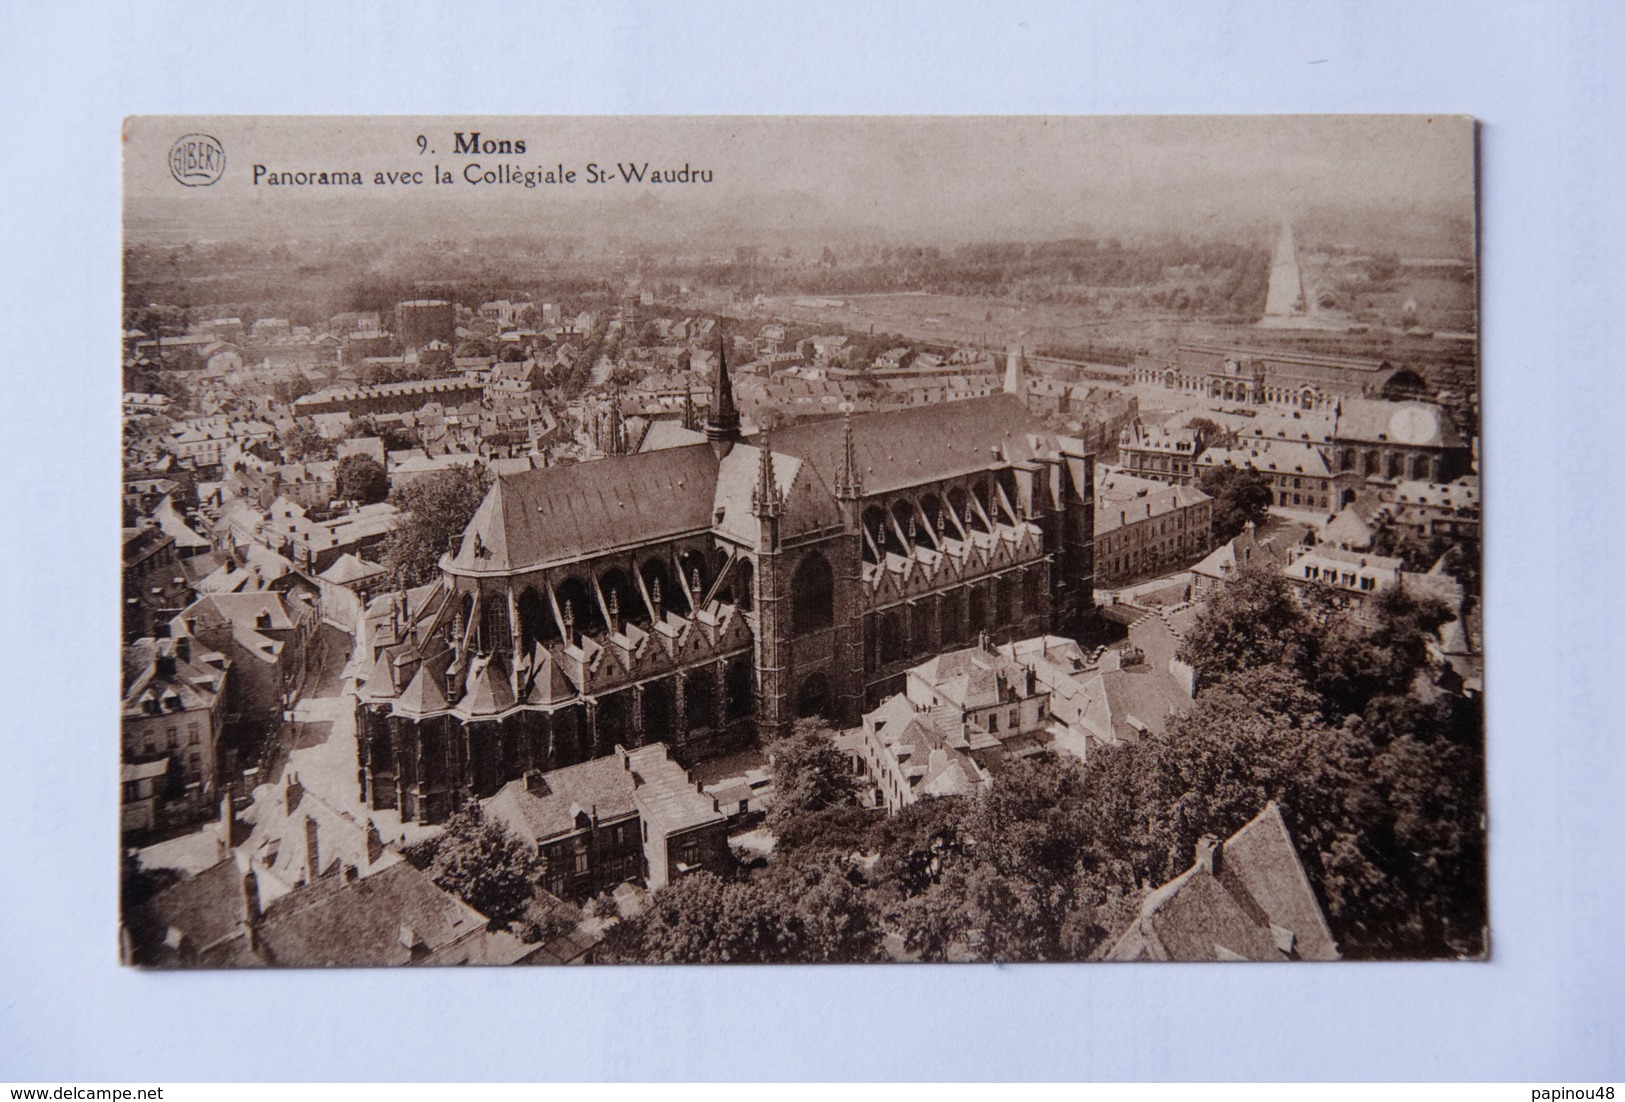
<point>313,850</point>
<point>292,791</point>
<point>1209,854</point>
<point>228,816</point>
<point>249,897</point>
<point>375,843</point>
<point>413,942</point>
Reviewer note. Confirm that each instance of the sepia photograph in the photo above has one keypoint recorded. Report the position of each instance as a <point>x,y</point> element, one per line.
<point>805,539</point>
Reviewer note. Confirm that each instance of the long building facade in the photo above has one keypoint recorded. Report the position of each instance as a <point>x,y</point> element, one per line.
<point>1281,378</point>
<point>702,595</point>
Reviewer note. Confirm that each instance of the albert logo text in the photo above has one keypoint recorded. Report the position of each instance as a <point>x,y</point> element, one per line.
<point>197,160</point>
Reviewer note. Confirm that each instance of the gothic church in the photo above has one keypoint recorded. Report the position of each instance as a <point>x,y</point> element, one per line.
<point>707,594</point>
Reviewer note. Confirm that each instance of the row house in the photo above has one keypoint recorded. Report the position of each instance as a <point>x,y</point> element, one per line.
<point>1160,453</point>
<point>171,716</point>
<point>1299,475</point>
<point>635,815</point>
<point>1142,527</point>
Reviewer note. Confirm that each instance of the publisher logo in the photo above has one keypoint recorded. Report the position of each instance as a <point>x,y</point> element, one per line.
<point>197,160</point>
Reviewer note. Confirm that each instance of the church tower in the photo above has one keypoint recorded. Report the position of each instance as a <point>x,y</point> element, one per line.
<point>848,670</point>
<point>772,602</point>
<point>722,422</point>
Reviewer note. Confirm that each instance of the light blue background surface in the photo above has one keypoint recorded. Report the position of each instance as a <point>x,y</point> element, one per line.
<point>1544,78</point>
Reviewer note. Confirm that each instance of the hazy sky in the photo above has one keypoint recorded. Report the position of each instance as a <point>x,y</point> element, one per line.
<point>957,178</point>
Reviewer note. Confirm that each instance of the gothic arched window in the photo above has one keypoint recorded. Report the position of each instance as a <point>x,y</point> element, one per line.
<point>812,594</point>
<point>813,699</point>
<point>741,684</point>
<point>700,700</point>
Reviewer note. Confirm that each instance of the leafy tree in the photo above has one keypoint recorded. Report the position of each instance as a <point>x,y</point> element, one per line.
<point>842,829</point>
<point>809,774</point>
<point>827,915</point>
<point>1240,494</point>
<point>362,478</point>
<point>1420,553</point>
<point>601,907</point>
<point>486,865</point>
<point>379,374</point>
<point>396,437</point>
<point>1003,878</point>
<point>686,922</point>
<point>1385,806</point>
<point>802,913</point>
<point>546,918</point>
<point>1360,661</point>
<point>1254,621</point>
<point>435,508</point>
<point>302,442</point>
<point>1210,429</point>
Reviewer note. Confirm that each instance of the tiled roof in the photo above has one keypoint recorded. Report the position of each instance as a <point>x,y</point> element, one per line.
<point>669,434</point>
<point>549,808</point>
<point>1114,512</point>
<point>1349,527</point>
<point>489,692</point>
<point>281,826</point>
<point>925,753</point>
<point>537,517</point>
<point>907,447</point>
<point>972,677</point>
<point>1253,902</point>
<point>206,908</point>
<point>1144,693</point>
<point>809,499</point>
<point>1273,457</point>
<point>644,780</point>
<point>668,801</point>
<point>365,922</point>
<point>426,693</point>
<point>349,568</point>
<point>543,516</point>
<point>1417,423</point>
<point>194,686</point>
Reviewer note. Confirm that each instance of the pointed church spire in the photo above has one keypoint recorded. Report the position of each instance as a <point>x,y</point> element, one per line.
<point>722,423</point>
<point>765,500</point>
<point>848,479</point>
<point>616,444</point>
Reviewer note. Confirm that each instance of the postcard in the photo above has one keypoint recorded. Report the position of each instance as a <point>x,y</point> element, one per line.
<point>800,539</point>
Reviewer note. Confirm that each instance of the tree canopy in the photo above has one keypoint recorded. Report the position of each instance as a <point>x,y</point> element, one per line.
<point>1240,494</point>
<point>301,442</point>
<point>1253,621</point>
<point>362,478</point>
<point>809,774</point>
<point>807,912</point>
<point>486,865</point>
<point>1327,711</point>
<point>435,508</point>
